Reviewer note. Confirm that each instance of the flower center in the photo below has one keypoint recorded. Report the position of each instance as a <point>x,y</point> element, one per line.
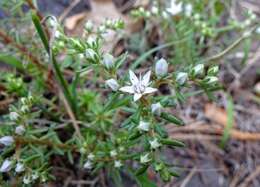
<point>139,88</point>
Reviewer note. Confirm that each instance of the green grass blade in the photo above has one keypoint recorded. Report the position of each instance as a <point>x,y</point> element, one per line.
<point>12,61</point>
<point>230,122</point>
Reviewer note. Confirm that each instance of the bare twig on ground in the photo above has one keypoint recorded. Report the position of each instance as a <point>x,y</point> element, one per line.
<point>68,9</point>
<point>251,177</point>
<point>188,178</point>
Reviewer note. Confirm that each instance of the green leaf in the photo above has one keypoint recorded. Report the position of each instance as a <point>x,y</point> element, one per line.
<point>141,170</point>
<point>172,119</point>
<point>230,122</point>
<point>12,61</point>
<point>58,73</point>
<point>144,181</point>
<point>171,142</point>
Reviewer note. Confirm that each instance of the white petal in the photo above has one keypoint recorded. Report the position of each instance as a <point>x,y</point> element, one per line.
<point>127,89</point>
<point>133,77</point>
<point>149,90</point>
<point>137,96</point>
<point>146,78</point>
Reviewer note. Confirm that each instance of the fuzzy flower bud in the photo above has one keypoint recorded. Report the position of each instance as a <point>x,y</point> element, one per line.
<point>113,153</point>
<point>145,158</point>
<point>213,70</point>
<point>27,179</point>
<point>88,165</point>
<point>156,108</point>
<point>108,60</point>
<point>91,156</point>
<point>19,167</point>
<point>198,69</point>
<point>181,78</point>
<point>7,140</point>
<point>90,53</point>
<point>143,126</point>
<point>89,25</point>
<point>118,164</point>
<point>161,68</point>
<point>154,143</point>
<point>6,166</point>
<point>112,83</point>
<point>211,79</point>
<point>14,116</point>
<point>19,130</point>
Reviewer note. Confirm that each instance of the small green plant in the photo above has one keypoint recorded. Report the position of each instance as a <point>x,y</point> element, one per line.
<point>86,108</point>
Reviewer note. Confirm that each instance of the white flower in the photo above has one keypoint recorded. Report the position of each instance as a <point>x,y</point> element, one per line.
<point>188,10</point>
<point>156,108</point>
<point>181,77</point>
<point>112,83</point>
<point>175,8</point>
<point>89,25</point>
<point>19,130</point>
<point>139,86</point>
<point>145,158</point>
<point>91,156</point>
<point>14,116</point>
<point>90,53</point>
<point>161,67</point>
<point>7,140</point>
<point>143,126</point>
<point>113,153</point>
<point>117,164</point>
<point>108,60</point>
<point>27,179</point>
<point>198,69</point>
<point>154,143</point>
<point>88,165</point>
<point>6,166</point>
<point>19,167</point>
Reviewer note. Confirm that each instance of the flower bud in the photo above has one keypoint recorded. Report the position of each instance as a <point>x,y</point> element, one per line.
<point>156,108</point>
<point>213,70</point>
<point>88,165</point>
<point>91,156</point>
<point>154,143</point>
<point>27,179</point>
<point>91,41</point>
<point>6,166</point>
<point>25,109</point>
<point>118,164</point>
<point>112,83</point>
<point>19,130</point>
<point>143,126</point>
<point>90,53</point>
<point>89,25</point>
<point>161,67</point>
<point>211,79</point>
<point>145,158</point>
<point>14,116</point>
<point>181,78</point>
<point>108,60</point>
<point>113,153</point>
<point>19,167</point>
<point>198,69</point>
<point>7,140</point>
